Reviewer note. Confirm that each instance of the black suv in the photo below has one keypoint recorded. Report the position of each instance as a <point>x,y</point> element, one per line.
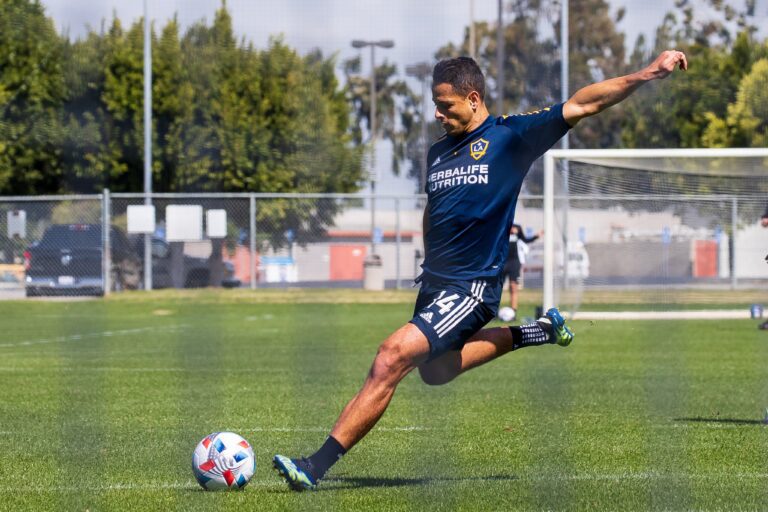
<point>68,260</point>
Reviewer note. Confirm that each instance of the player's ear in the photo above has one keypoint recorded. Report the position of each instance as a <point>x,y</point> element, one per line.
<point>474,100</point>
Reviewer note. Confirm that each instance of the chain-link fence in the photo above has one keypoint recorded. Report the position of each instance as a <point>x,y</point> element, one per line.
<point>58,245</point>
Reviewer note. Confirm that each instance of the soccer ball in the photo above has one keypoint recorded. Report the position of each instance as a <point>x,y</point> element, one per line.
<point>223,460</point>
<point>507,314</point>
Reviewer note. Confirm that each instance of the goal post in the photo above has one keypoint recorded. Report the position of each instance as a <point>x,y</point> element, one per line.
<point>700,193</point>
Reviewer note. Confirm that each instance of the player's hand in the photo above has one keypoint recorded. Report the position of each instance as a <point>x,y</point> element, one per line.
<point>666,63</point>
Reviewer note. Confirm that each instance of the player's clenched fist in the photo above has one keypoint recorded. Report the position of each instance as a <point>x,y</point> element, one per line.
<point>666,63</point>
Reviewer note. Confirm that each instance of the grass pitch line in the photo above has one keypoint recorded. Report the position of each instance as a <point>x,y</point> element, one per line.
<point>709,314</point>
<point>649,475</point>
<point>93,335</point>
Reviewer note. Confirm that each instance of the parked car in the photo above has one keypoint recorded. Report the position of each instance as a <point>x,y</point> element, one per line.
<point>69,260</point>
<point>196,271</point>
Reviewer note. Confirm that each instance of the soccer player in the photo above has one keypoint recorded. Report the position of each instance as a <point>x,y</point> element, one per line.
<point>475,173</point>
<point>518,247</point>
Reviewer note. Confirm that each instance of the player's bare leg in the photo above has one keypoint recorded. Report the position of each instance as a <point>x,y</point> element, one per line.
<point>400,353</point>
<point>397,356</point>
<point>514,293</point>
<point>485,346</point>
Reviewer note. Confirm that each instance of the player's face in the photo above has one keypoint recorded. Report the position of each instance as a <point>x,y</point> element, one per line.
<point>454,111</point>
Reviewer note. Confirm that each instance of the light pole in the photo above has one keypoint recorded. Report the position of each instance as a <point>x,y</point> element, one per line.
<point>147,140</point>
<point>422,71</point>
<point>564,94</point>
<point>472,48</point>
<point>385,43</point>
<point>500,59</point>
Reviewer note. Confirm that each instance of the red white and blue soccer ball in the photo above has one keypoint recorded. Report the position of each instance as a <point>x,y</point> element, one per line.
<point>223,460</point>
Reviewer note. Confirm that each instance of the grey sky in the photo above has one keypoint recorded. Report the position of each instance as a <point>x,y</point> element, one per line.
<point>418,27</point>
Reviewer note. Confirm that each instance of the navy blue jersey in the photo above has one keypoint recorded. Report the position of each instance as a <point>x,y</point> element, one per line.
<point>472,186</point>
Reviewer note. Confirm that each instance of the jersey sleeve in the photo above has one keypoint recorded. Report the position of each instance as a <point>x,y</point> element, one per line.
<point>540,129</point>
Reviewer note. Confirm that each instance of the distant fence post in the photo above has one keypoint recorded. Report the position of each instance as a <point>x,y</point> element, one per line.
<point>148,251</point>
<point>106,253</point>
<point>398,243</point>
<point>252,238</point>
<point>734,227</point>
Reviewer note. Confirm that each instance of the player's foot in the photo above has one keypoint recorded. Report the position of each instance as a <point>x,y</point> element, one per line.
<point>296,473</point>
<point>554,323</point>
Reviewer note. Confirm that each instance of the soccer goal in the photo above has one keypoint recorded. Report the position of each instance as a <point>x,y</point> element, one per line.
<point>655,233</point>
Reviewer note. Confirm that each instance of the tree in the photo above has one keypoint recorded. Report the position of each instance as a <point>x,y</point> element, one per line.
<point>173,108</point>
<point>103,112</point>
<point>680,112</point>
<point>748,116</point>
<point>31,89</point>
<point>396,107</point>
<point>259,121</point>
<point>746,123</point>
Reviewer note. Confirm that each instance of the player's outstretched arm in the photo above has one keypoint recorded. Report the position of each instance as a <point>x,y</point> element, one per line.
<point>595,98</point>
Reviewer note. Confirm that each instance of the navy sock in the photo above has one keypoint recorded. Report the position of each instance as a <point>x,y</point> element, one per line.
<point>531,335</point>
<point>325,457</point>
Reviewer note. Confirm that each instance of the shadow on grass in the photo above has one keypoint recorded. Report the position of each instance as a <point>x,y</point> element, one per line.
<point>339,483</point>
<point>732,421</point>
<point>350,482</point>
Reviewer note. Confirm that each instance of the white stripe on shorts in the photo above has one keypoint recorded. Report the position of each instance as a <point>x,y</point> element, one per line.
<point>461,313</point>
<point>463,304</point>
<point>475,299</point>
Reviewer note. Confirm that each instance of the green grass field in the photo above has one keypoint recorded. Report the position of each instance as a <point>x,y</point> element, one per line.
<point>104,401</point>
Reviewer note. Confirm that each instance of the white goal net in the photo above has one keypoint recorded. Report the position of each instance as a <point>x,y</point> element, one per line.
<point>655,231</point>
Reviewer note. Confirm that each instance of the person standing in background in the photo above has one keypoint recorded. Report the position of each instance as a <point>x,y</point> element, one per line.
<point>518,249</point>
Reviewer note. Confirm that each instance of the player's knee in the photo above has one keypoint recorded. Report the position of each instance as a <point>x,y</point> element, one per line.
<point>391,360</point>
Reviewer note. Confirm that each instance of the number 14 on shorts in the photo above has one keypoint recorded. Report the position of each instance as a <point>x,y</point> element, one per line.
<point>445,303</point>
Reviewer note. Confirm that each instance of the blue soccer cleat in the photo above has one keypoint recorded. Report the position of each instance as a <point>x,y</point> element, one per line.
<point>297,477</point>
<point>561,334</point>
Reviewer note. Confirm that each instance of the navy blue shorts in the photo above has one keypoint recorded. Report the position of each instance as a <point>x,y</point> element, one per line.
<point>450,312</point>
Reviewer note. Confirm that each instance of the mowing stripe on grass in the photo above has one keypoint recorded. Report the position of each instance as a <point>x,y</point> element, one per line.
<point>10,369</point>
<point>270,482</point>
<point>326,429</point>
<point>191,484</point>
<point>92,335</point>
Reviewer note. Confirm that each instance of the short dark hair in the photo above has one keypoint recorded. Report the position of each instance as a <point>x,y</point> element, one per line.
<point>462,73</point>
